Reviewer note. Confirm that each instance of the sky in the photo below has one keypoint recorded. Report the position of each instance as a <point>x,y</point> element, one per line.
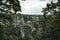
<point>33,7</point>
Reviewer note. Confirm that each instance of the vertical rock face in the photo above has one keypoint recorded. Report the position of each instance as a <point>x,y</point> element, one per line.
<point>17,20</point>
<point>22,20</point>
<point>26,23</point>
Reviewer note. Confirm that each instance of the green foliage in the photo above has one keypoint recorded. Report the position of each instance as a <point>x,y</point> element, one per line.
<point>46,28</point>
<point>7,18</point>
<point>52,21</point>
<point>12,37</point>
<point>9,5</point>
<point>2,30</point>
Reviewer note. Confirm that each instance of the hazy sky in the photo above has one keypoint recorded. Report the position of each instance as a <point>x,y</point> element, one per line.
<point>33,6</point>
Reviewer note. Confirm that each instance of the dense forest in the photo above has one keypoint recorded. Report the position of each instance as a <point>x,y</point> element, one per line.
<point>15,26</point>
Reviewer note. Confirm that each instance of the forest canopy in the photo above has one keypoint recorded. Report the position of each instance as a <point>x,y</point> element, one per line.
<point>15,26</point>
